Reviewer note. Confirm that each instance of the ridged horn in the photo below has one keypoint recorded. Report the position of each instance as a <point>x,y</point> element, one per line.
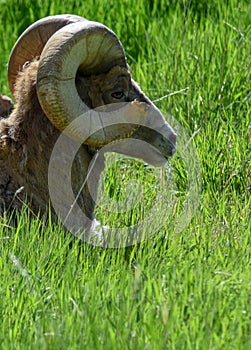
<point>31,43</point>
<point>91,48</point>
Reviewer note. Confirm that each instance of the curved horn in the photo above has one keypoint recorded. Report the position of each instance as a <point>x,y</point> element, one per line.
<point>31,43</point>
<point>91,48</point>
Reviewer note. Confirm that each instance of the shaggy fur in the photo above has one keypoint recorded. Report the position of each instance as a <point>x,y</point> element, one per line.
<point>27,138</point>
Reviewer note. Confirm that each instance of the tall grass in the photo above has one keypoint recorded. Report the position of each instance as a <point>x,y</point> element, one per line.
<point>173,291</point>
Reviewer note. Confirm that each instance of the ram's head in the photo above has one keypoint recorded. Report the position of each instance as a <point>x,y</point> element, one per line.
<point>82,72</point>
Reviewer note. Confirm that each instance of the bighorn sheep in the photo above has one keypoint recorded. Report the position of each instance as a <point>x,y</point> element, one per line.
<point>63,67</point>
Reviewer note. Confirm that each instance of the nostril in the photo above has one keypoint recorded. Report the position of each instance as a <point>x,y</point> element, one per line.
<point>169,133</point>
<point>173,138</point>
<point>173,150</point>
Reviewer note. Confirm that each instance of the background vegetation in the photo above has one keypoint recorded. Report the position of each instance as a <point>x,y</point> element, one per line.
<point>174,291</point>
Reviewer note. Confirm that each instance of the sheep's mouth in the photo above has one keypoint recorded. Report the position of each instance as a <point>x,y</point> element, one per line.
<point>157,140</point>
<point>146,144</point>
<point>153,147</point>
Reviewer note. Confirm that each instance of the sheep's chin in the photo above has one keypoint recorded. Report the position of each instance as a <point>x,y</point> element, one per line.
<point>137,149</point>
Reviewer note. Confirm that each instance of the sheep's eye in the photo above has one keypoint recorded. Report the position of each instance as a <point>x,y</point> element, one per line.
<point>118,94</point>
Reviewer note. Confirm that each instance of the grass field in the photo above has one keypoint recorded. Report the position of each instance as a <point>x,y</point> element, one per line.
<point>187,289</point>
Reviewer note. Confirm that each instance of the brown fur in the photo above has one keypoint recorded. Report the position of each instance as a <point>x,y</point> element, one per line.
<point>27,138</point>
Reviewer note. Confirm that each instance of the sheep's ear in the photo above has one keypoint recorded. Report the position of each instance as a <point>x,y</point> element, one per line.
<point>31,43</point>
<point>6,105</point>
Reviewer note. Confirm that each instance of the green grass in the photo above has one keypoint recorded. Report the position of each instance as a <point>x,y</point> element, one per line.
<point>176,290</point>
